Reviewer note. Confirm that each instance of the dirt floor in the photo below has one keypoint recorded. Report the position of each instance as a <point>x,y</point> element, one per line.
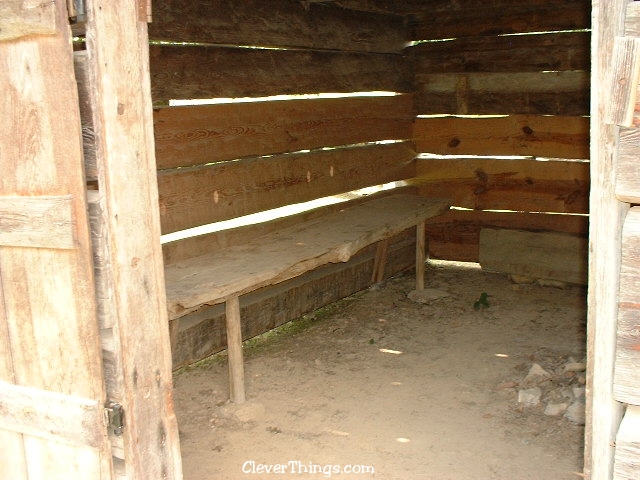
<point>385,386</point>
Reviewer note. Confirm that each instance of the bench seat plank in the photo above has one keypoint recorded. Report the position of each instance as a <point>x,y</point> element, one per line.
<point>214,278</point>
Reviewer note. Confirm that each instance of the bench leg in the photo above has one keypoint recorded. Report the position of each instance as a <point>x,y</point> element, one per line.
<point>421,256</point>
<point>234,348</point>
<point>174,327</point>
<point>380,261</point>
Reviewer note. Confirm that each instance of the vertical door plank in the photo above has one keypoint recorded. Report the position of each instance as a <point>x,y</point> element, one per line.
<point>118,67</point>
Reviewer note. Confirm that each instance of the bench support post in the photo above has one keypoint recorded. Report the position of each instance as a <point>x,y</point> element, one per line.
<point>380,261</point>
<point>234,348</point>
<point>421,255</point>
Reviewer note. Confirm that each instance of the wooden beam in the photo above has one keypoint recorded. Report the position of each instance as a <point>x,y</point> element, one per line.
<point>525,185</point>
<point>196,135</point>
<point>192,72</point>
<point>504,93</point>
<point>496,19</point>
<point>194,197</point>
<point>547,256</point>
<point>456,234</point>
<point>526,135</point>
<point>527,53</point>
<point>278,23</point>
<point>39,221</point>
<point>117,46</point>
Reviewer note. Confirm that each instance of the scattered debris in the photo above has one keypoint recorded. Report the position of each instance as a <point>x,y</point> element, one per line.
<point>558,388</point>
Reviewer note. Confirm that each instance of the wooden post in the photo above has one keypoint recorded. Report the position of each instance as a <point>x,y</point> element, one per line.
<point>603,413</point>
<point>118,69</point>
<point>380,261</point>
<point>421,255</point>
<point>234,347</point>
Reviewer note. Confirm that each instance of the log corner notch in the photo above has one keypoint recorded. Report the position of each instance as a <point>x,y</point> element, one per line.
<point>21,18</point>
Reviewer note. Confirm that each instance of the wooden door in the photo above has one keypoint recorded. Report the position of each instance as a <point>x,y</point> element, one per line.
<point>52,416</point>
<point>85,362</point>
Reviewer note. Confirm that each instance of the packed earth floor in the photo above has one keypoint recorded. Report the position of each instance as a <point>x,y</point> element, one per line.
<point>387,384</point>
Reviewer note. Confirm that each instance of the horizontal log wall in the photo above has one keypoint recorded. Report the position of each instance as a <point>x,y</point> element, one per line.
<point>222,161</point>
<point>510,84</point>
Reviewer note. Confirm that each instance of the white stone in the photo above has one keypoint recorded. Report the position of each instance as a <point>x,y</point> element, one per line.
<point>578,392</point>
<point>555,409</point>
<point>576,412</point>
<point>530,397</point>
<point>575,367</point>
<point>536,375</point>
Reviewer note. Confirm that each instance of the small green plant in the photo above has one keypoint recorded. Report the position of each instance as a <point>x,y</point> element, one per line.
<point>482,302</point>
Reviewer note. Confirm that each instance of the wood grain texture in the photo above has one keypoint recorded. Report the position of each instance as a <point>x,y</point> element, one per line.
<point>504,184</point>
<point>20,18</point>
<point>282,255</point>
<point>546,93</point>
<point>627,458</point>
<point>47,312</point>
<point>525,135</point>
<point>51,415</point>
<point>626,383</point>
<point>496,19</point>
<point>277,23</point>
<point>194,197</point>
<point>214,72</point>
<point>603,413</point>
<point>538,255</point>
<point>42,221</point>
<point>196,135</point>
<point>117,46</point>
<point>632,20</point>
<point>628,178</point>
<point>625,70</point>
<point>527,53</point>
<point>456,234</point>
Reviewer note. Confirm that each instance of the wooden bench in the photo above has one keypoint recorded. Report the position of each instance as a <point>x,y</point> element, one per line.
<point>225,275</point>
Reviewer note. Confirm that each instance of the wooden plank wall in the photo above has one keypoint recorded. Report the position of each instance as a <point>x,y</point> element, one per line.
<point>226,160</point>
<point>482,90</point>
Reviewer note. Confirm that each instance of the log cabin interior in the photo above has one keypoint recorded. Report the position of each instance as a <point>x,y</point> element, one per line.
<point>213,130</point>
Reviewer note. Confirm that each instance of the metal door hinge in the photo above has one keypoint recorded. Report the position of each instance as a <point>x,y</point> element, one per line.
<point>115,417</point>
